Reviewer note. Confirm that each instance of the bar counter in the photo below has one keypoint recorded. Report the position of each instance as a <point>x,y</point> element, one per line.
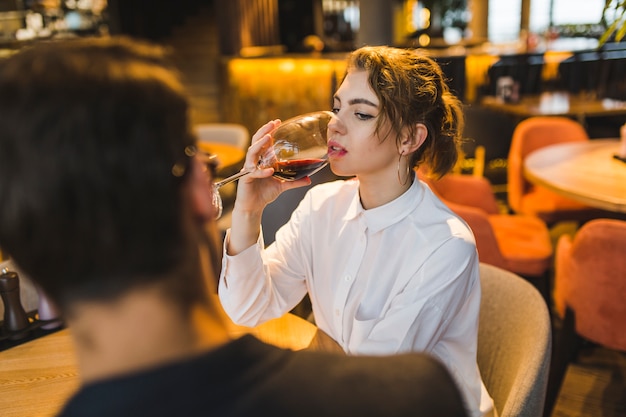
<point>258,89</point>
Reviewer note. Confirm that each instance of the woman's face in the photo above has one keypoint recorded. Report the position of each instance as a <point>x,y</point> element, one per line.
<point>354,147</point>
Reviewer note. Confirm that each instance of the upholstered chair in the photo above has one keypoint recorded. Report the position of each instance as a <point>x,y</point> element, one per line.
<point>526,198</point>
<point>514,343</point>
<point>231,133</point>
<point>589,293</point>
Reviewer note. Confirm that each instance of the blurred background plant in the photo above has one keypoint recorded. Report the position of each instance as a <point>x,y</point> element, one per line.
<point>614,18</point>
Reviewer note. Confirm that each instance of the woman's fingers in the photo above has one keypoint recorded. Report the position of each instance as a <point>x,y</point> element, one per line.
<point>261,141</point>
<point>265,129</point>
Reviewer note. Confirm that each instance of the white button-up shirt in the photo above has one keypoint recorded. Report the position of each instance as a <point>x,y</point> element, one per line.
<point>400,277</point>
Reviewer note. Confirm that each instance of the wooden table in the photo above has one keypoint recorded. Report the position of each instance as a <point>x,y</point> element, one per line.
<point>36,378</point>
<point>557,104</point>
<point>229,156</point>
<point>583,171</point>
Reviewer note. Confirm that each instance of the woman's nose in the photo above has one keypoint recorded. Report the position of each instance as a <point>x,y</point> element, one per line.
<point>335,125</point>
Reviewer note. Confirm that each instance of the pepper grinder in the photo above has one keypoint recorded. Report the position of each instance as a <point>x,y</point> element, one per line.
<point>15,318</point>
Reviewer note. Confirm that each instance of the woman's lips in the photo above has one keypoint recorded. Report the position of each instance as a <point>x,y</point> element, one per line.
<point>335,150</point>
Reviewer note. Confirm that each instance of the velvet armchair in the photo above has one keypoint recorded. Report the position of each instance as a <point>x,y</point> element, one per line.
<point>589,293</point>
<point>526,198</point>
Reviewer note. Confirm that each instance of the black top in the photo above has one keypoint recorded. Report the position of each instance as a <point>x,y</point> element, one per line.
<point>247,377</point>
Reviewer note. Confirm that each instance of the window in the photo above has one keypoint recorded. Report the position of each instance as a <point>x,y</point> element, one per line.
<point>505,18</point>
<point>568,12</point>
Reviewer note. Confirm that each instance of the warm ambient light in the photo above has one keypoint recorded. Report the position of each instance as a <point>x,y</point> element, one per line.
<point>476,67</point>
<point>262,89</point>
<point>552,60</point>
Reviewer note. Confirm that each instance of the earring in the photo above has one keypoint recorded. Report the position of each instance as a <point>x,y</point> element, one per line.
<point>408,171</point>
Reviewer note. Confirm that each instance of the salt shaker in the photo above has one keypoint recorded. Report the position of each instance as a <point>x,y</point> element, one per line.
<point>15,318</point>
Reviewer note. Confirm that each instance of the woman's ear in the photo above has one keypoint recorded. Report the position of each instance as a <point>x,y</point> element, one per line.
<point>411,143</point>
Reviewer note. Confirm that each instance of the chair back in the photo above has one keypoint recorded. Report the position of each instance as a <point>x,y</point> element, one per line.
<point>590,279</point>
<point>490,131</point>
<point>514,343</point>
<point>464,189</point>
<point>529,135</point>
<point>231,133</point>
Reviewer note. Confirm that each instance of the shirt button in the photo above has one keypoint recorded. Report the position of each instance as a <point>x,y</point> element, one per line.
<point>347,278</point>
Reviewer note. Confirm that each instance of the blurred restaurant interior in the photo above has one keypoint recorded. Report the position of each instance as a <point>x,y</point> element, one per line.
<point>239,57</point>
<point>245,62</point>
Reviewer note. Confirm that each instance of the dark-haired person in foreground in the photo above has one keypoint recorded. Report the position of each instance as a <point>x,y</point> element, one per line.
<point>104,203</point>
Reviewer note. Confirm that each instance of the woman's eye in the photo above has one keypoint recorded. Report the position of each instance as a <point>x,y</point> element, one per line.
<point>335,110</point>
<point>363,116</point>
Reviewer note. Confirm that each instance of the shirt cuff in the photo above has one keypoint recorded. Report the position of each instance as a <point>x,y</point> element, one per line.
<point>246,261</point>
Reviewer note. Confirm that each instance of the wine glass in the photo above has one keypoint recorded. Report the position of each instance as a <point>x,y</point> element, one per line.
<point>299,149</point>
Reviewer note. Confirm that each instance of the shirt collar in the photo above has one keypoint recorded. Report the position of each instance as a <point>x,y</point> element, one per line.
<point>384,216</point>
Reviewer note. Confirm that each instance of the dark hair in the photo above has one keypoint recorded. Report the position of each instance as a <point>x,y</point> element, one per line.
<point>91,129</point>
<point>412,89</point>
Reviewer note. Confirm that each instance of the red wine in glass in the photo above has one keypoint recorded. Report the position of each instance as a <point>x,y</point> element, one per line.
<point>298,148</point>
<point>294,169</point>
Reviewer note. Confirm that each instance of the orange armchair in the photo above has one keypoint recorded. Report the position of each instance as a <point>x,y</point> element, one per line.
<point>526,198</point>
<point>589,293</point>
<point>517,243</point>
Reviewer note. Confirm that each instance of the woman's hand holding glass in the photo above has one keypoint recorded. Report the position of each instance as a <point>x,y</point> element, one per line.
<point>290,152</point>
<point>259,188</point>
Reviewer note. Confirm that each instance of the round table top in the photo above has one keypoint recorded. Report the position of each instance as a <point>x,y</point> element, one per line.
<point>227,155</point>
<point>584,171</point>
<point>37,377</point>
